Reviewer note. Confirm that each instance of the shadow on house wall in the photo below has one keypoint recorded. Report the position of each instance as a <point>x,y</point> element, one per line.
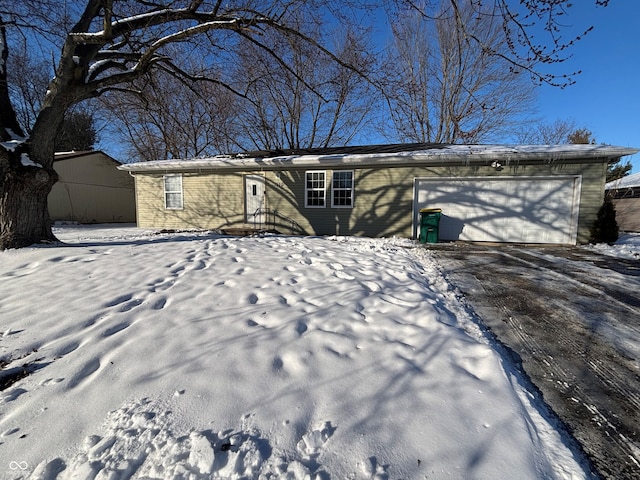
<point>383,204</point>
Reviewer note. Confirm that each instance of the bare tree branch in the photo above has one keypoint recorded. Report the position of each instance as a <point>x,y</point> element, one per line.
<point>441,88</point>
<point>521,23</point>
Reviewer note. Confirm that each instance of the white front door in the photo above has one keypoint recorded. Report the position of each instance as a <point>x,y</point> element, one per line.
<point>254,196</point>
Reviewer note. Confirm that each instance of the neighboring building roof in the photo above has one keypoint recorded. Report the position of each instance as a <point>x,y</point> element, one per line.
<point>630,181</point>
<point>84,153</point>
<point>397,154</point>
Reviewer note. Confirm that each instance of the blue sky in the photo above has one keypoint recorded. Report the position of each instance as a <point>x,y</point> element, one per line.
<point>606,97</point>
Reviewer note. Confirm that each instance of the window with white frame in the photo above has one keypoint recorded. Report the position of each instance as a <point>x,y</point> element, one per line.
<point>173,192</point>
<point>315,189</point>
<point>342,189</point>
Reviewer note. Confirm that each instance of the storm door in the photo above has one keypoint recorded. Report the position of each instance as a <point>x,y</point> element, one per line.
<point>254,199</point>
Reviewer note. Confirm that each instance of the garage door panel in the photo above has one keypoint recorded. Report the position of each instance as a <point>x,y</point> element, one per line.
<point>509,209</point>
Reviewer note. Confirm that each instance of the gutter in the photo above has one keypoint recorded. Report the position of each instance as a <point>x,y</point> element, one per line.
<point>457,155</point>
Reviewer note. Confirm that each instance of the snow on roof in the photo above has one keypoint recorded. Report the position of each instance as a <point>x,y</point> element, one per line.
<point>73,153</point>
<point>386,155</point>
<point>629,181</point>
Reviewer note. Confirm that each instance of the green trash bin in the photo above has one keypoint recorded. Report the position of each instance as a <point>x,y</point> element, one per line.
<point>430,225</point>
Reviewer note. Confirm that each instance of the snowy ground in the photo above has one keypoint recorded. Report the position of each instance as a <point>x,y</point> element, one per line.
<point>627,246</point>
<point>204,356</point>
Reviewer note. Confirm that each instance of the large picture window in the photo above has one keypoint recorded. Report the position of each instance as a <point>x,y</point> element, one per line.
<point>173,192</point>
<point>342,189</point>
<point>315,189</point>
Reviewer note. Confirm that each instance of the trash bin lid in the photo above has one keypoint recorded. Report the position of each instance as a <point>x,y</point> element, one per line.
<point>430,210</point>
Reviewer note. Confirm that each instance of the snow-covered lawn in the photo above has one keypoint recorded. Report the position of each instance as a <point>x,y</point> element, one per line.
<point>205,356</point>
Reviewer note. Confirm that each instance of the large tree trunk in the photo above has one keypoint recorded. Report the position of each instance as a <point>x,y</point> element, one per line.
<point>24,213</point>
<point>26,169</point>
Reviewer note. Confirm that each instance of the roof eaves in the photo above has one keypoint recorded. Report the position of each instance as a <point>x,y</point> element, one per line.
<point>440,155</point>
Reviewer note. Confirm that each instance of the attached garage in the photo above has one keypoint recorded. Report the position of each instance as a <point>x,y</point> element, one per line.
<point>504,209</point>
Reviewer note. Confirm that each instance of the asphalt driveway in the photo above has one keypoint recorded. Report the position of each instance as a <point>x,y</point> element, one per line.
<point>571,317</point>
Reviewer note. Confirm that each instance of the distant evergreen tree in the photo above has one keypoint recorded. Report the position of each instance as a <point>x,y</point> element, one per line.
<point>77,133</point>
<point>615,169</point>
<point>605,229</point>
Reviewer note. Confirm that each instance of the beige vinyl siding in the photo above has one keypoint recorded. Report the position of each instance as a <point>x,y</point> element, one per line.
<point>591,195</point>
<point>210,201</point>
<point>383,198</point>
<point>391,207</point>
<point>91,189</point>
<point>285,201</point>
<point>286,196</point>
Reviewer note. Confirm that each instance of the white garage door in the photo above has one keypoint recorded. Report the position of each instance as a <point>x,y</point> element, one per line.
<point>505,209</point>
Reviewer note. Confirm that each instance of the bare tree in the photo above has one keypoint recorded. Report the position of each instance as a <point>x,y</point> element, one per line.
<point>102,46</point>
<point>312,101</point>
<point>616,169</point>
<point>581,136</point>
<point>28,78</point>
<point>534,31</point>
<point>441,88</point>
<point>166,118</point>
<point>105,48</point>
<point>554,133</point>
<point>565,131</point>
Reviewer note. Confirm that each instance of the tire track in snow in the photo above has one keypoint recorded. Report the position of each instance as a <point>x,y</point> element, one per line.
<point>553,312</point>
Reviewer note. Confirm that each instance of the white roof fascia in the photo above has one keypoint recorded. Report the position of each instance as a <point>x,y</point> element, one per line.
<point>436,156</point>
